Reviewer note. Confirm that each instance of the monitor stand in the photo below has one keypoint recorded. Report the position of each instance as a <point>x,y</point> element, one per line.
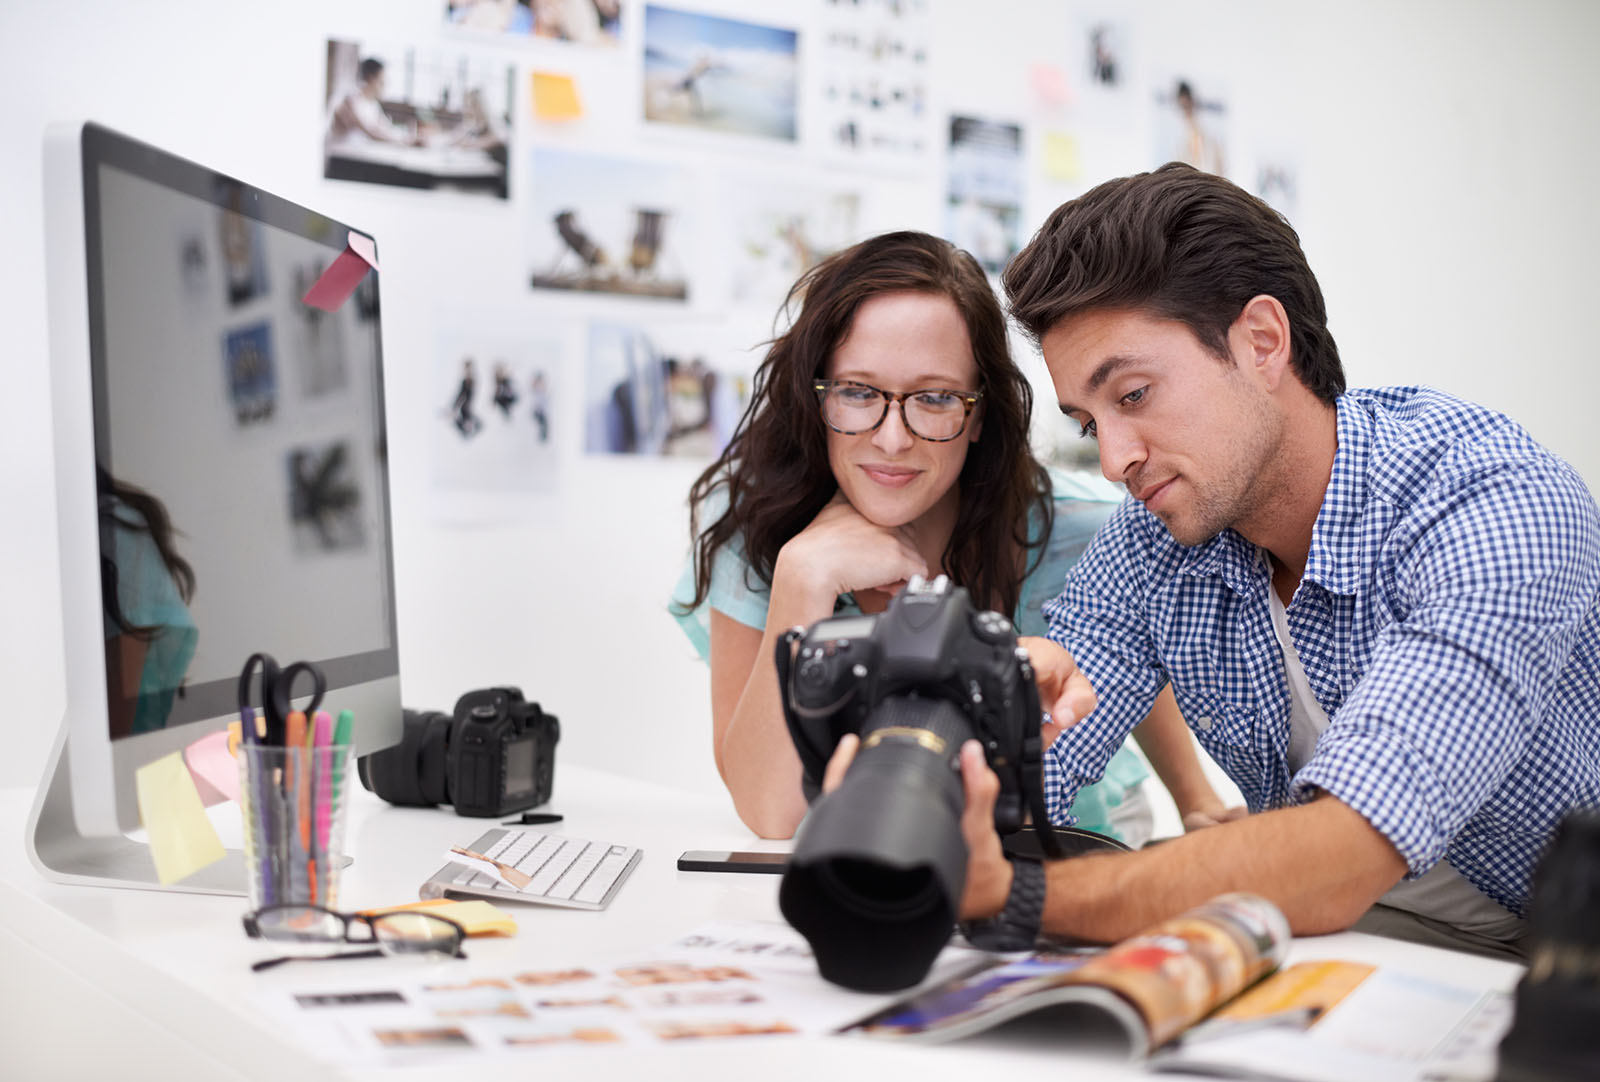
<point>65,855</point>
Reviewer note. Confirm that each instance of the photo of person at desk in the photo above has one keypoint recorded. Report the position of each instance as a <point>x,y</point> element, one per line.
<point>452,140</point>
<point>1379,609</point>
<point>887,438</point>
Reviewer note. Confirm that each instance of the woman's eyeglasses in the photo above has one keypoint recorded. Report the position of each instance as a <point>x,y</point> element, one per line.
<point>932,414</point>
<point>406,932</point>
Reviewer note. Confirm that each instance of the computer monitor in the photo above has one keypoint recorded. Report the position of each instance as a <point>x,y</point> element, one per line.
<point>222,486</point>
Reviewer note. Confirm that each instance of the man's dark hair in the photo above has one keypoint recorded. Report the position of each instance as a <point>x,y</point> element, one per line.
<point>371,67</point>
<point>1178,244</point>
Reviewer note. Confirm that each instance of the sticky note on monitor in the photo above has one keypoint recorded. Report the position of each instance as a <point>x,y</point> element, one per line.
<point>215,769</point>
<point>555,96</point>
<point>336,283</point>
<point>182,839</point>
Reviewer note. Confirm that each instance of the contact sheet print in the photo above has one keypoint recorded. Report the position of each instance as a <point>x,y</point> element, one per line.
<point>723,981</point>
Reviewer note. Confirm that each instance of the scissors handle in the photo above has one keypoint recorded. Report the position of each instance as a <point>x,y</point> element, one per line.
<point>277,691</point>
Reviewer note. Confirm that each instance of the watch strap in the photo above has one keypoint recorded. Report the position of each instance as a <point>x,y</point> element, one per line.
<point>1015,927</point>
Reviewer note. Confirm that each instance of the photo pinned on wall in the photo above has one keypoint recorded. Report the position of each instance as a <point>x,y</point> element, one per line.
<point>319,357</point>
<point>781,230</point>
<point>244,256</point>
<point>716,74</point>
<point>984,205</point>
<point>584,22</point>
<point>325,499</point>
<point>1276,179</point>
<point>250,371</point>
<point>668,390</point>
<point>609,225</point>
<point>430,119</point>
<point>1106,61</point>
<point>1190,126</point>
<point>873,92</point>
<point>495,423</point>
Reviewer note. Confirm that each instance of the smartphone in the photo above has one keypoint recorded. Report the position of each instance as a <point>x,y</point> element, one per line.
<point>721,860</point>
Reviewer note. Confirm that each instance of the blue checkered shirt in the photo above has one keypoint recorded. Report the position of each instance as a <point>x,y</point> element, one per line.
<point>1448,621</point>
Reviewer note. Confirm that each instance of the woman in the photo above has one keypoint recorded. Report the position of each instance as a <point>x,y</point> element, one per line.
<point>887,437</point>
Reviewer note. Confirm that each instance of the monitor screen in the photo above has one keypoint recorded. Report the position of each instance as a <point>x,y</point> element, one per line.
<point>238,444</point>
<point>236,439</point>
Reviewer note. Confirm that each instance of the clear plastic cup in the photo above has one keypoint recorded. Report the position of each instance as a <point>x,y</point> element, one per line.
<point>294,802</point>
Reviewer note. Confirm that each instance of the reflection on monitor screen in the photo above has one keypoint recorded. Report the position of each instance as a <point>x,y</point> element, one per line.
<point>221,465</point>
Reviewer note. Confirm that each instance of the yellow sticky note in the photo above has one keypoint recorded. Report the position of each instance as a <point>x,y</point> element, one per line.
<point>555,96</point>
<point>1061,160</point>
<point>182,839</point>
<point>478,917</point>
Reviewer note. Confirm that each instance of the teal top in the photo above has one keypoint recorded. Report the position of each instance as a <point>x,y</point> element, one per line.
<point>1080,507</point>
<point>149,598</point>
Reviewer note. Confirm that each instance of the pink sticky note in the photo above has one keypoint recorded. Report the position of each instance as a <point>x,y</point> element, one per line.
<point>213,768</point>
<point>344,274</point>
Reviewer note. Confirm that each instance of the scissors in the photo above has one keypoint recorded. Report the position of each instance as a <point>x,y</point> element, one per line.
<point>277,691</point>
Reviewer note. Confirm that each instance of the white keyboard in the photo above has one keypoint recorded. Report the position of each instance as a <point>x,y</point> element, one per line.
<point>570,872</point>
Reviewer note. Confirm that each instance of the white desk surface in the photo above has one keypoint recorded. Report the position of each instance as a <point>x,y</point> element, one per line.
<point>132,984</point>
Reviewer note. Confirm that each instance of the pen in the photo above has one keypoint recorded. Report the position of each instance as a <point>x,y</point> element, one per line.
<point>258,812</point>
<point>341,739</point>
<point>321,800</point>
<point>297,791</point>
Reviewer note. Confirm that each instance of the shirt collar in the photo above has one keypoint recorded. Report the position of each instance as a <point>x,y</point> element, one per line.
<point>1334,561</point>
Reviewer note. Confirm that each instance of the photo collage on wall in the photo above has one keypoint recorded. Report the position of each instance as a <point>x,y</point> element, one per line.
<point>764,135</point>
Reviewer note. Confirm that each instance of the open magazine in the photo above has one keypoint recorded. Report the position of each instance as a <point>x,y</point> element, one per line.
<point>1152,987</point>
<point>1203,993</point>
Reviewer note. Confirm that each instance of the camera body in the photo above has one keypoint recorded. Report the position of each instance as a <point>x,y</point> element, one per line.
<point>931,644</point>
<point>880,864</point>
<point>493,755</point>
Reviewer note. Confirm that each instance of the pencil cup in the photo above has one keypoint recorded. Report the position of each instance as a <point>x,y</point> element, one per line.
<point>294,801</point>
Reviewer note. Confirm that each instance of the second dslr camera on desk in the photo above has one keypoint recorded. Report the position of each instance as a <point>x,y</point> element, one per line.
<point>494,755</point>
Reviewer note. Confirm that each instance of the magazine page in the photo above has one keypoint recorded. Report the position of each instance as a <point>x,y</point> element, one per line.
<point>1332,1021</point>
<point>1153,985</point>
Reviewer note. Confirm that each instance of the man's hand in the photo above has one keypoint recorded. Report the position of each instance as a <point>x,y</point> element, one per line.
<point>1064,692</point>
<point>988,870</point>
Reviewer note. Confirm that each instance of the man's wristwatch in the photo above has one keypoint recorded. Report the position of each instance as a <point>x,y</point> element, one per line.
<point>1016,927</point>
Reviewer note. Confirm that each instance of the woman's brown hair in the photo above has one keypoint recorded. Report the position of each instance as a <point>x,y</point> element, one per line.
<point>775,472</point>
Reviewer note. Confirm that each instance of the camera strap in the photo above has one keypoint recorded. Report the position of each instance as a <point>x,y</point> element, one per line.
<point>1033,784</point>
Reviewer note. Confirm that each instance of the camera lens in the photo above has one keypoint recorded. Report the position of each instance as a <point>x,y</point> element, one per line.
<point>880,864</point>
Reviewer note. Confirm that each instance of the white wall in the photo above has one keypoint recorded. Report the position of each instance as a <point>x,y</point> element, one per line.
<point>1447,152</point>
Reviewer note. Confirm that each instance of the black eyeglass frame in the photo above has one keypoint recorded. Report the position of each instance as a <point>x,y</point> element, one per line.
<point>969,399</point>
<point>252,926</point>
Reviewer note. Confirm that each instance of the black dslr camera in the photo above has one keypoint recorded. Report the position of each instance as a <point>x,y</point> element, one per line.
<point>495,755</point>
<point>880,865</point>
<point>1553,1037</point>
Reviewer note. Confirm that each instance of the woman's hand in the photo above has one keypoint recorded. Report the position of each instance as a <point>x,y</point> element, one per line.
<point>842,552</point>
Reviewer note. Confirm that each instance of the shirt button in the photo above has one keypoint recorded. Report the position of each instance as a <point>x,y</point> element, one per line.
<point>1203,724</point>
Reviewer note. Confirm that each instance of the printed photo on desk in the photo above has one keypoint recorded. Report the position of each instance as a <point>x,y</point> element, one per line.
<point>725,980</point>
<point>429,119</point>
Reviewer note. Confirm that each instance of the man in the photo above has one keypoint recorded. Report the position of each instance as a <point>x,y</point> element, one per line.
<point>1378,609</point>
